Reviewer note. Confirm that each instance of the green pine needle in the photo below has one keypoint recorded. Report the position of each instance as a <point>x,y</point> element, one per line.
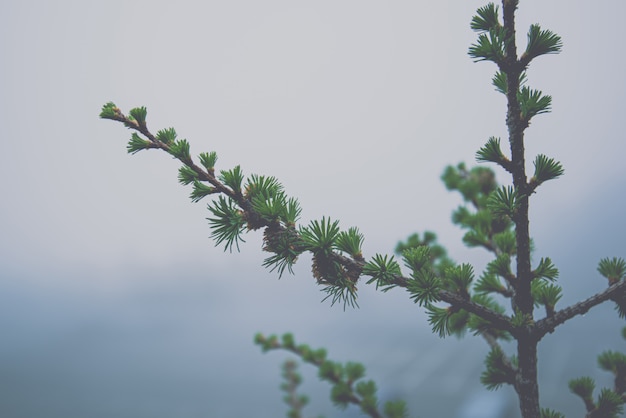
<point>613,269</point>
<point>270,207</point>
<point>291,212</point>
<point>480,326</point>
<point>200,190</point>
<point>499,81</point>
<point>533,102</point>
<point>460,277</point>
<point>320,235</point>
<point>546,270</point>
<point>486,19</point>
<point>395,409</point>
<point>208,160</point>
<point>503,202</point>
<point>227,224</point>
<point>417,258</point>
<point>424,287</point>
<point>610,404</point>
<point>489,283</point>
<point>138,114</point>
<point>232,178</point>
<point>612,361</point>
<point>280,262</point>
<point>350,242</point>
<point>497,373</point>
<point>490,152</point>
<point>541,42</point>
<point>136,144</point>
<point>180,149</point>
<point>110,111</point>
<point>186,175</point>
<point>167,135</point>
<point>549,413</point>
<point>501,266</point>
<point>582,386</point>
<point>382,269</point>
<point>489,47</point>
<point>439,320</point>
<point>519,319</point>
<point>506,242</point>
<point>546,294</point>
<point>546,169</point>
<point>341,291</point>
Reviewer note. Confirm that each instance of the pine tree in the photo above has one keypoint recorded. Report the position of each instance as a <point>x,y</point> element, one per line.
<point>495,216</point>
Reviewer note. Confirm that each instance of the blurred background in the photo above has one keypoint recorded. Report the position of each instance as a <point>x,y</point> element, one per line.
<point>113,299</point>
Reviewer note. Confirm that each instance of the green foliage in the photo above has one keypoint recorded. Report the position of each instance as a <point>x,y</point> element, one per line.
<point>541,42</point>
<point>459,278</point>
<point>417,258</point>
<point>350,242</point>
<point>320,236</point>
<point>348,384</point>
<point>382,269</point>
<point>109,111</point>
<point>583,387</point>
<point>424,287</point>
<point>548,413</point>
<point>533,102</point>
<point>490,46</point>
<point>491,152</point>
<point>208,160</point>
<point>439,319</point>
<point>500,81</point>
<point>493,219</point>
<point>138,114</point>
<point>481,326</point>
<point>520,319</point>
<point>292,380</point>
<point>187,175</point>
<point>167,136</point>
<point>615,363</point>
<point>486,19</point>
<point>501,266</point>
<point>546,270</point>
<point>489,283</point>
<point>610,404</point>
<point>200,191</point>
<point>475,185</point>
<point>546,169</point>
<point>180,149</point>
<point>503,202</point>
<point>232,178</point>
<point>424,252</point>
<point>613,269</point>
<point>505,242</point>
<point>499,370</point>
<point>546,294</point>
<point>285,244</point>
<point>136,144</point>
<point>227,224</point>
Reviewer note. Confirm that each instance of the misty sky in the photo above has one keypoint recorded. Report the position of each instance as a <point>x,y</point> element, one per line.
<point>112,295</point>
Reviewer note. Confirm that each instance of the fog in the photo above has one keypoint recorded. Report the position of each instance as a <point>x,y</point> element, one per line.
<point>113,299</point>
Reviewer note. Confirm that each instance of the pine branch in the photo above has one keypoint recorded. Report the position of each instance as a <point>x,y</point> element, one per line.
<point>547,325</point>
<point>347,379</point>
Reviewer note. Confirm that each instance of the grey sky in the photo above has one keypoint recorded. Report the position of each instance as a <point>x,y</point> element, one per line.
<point>356,106</point>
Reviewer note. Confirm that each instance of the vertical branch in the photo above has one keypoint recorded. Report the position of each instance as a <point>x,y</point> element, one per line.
<point>526,385</point>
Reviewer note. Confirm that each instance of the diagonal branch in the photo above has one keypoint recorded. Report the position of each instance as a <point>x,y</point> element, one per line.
<point>547,325</point>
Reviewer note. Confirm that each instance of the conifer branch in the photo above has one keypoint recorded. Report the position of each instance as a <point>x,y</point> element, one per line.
<point>347,379</point>
<point>547,325</point>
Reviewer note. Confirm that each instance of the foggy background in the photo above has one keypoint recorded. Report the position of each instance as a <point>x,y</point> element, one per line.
<point>114,301</point>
